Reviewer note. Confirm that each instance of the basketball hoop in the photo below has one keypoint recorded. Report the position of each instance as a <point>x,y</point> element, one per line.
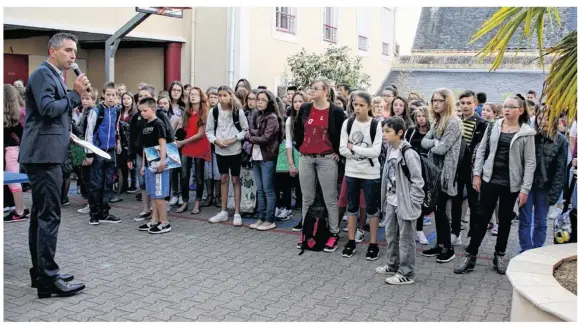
<point>175,12</point>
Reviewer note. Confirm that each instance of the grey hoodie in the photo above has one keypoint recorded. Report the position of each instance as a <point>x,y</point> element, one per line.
<point>410,194</point>
<point>522,157</point>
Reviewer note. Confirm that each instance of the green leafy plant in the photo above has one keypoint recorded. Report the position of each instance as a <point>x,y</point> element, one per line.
<point>336,64</point>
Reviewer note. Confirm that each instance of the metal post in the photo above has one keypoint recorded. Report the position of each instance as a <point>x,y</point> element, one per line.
<point>111,44</point>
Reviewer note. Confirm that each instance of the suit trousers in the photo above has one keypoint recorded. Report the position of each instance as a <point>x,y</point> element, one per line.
<point>46,182</point>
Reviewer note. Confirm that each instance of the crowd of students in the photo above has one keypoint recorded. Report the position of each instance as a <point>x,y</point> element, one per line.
<point>355,146</point>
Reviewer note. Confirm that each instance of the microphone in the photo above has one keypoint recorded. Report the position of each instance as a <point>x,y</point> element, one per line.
<point>77,72</point>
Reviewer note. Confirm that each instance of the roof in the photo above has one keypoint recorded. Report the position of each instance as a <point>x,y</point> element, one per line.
<point>497,85</point>
<point>451,28</point>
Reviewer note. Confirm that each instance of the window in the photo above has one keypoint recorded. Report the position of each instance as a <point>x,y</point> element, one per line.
<point>386,32</point>
<point>363,28</point>
<point>285,19</point>
<point>385,48</point>
<point>330,24</point>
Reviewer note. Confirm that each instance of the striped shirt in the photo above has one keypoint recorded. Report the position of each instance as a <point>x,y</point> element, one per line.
<point>469,127</point>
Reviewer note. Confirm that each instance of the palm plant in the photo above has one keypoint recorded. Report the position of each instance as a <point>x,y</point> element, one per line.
<point>559,88</point>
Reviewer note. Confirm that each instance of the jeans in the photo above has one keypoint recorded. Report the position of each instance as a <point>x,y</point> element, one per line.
<point>187,163</point>
<point>372,191</point>
<point>489,195</point>
<point>442,221</point>
<point>263,173</point>
<point>533,213</point>
<point>400,237</point>
<point>139,163</point>
<point>101,179</point>
<point>324,169</point>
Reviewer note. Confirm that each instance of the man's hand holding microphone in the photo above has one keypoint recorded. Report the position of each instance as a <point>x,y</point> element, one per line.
<point>81,84</point>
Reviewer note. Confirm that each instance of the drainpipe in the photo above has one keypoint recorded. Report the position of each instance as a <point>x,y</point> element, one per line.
<point>193,40</point>
<point>232,11</point>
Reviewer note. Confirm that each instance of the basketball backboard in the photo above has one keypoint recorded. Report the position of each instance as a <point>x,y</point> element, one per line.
<point>175,12</point>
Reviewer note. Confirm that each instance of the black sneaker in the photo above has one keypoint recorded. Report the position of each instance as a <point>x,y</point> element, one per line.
<point>131,190</point>
<point>138,197</point>
<point>432,252</point>
<point>14,217</point>
<point>115,199</point>
<point>160,228</point>
<point>331,244</point>
<point>446,255</point>
<point>110,219</point>
<point>65,202</point>
<point>147,226</point>
<point>207,202</point>
<point>466,265</point>
<point>499,263</point>
<point>94,221</point>
<point>372,252</point>
<point>349,249</point>
<point>299,226</point>
<point>143,216</point>
<point>218,202</point>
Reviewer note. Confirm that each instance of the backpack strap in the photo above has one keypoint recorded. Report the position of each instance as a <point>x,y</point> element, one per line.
<point>350,124</point>
<point>373,129</point>
<point>404,167</point>
<point>236,120</point>
<point>215,111</point>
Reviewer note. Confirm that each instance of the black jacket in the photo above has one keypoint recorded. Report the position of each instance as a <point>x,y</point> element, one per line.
<point>336,119</point>
<point>479,131</point>
<point>551,158</point>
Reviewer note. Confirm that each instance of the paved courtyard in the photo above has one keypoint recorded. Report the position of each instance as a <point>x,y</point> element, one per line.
<point>206,272</point>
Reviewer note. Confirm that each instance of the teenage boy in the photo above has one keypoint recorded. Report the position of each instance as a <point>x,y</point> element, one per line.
<point>474,129</point>
<point>157,184</point>
<point>101,131</point>
<point>88,100</point>
<point>401,198</point>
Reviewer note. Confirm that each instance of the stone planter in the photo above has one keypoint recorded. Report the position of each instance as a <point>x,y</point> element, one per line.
<point>537,296</point>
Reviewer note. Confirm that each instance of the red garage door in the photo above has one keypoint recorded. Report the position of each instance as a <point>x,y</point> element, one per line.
<point>15,68</point>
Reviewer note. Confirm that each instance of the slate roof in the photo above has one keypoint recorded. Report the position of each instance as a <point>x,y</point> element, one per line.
<point>451,28</point>
<point>496,85</point>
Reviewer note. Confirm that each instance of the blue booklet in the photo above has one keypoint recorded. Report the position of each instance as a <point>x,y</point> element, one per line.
<point>173,159</point>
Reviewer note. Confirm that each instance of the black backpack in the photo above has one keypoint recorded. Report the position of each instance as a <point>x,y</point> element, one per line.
<point>315,232</point>
<point>372,131</point>
<point>431,176</point>
<point>215,111</point>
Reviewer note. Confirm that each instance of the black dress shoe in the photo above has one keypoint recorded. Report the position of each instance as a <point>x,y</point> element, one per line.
<point>60,288</point>
<point>35,278</point>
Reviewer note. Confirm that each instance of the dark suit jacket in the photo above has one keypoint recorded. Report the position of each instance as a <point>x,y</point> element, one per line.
<point>48,118</point>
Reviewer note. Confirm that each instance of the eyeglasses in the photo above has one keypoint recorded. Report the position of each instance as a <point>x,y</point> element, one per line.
<point>511,107</point>
<point>438,100</point>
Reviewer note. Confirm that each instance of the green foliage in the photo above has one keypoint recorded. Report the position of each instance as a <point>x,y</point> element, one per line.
<point>336,64</point>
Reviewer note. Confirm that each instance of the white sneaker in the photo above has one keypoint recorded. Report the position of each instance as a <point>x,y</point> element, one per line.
<point>494,230</point>
<point>277,212</point>
<point>219,217</point>
<point>359,234</point>
<point>180,202</point>
<point>174,200</point>
<point>554,212</point>
<point>256,224</point>
<point>285,215</point>
<point>85,210</point>
<point>382,223</point>
<point>456,240</point>
<point>267,226</point>
<point>237,220</point>
<point>421,238</point>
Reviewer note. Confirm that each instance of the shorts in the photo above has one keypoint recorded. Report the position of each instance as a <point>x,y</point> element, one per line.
<point>211,169</point>
<point>342,202</point>
<point>229,163</point>
<point>157,185</point>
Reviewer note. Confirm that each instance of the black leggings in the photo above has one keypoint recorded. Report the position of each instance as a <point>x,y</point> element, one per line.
<point>187,164</point>
<point>284,184</point>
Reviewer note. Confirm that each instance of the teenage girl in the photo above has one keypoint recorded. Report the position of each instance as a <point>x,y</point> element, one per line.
<point>129,108</point>
<point>399,107</point>
<point>263,134</point>
<point>213,177</point>
<point>443,142</point>
<point>503,170</point>
<point>195,148</point>
<point>378,107</point>
<point>389,94</point>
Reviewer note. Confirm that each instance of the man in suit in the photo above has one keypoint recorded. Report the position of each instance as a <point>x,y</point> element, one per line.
<point>43,149</point>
